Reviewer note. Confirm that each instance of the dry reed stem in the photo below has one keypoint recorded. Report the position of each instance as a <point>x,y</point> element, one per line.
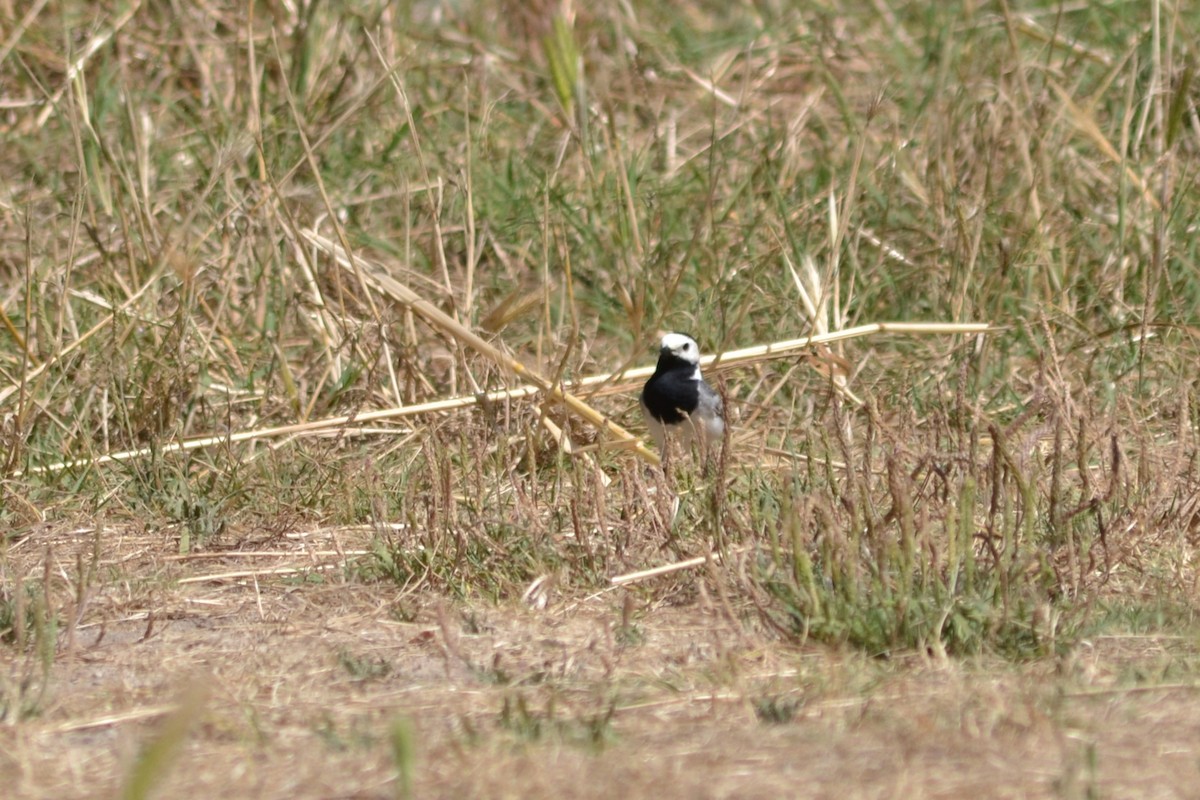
<point>255,573</point>
<point>617,382</point>
<point>136,715</point>
<point>442,321</point>
<point>264,554</point>
<point>666,569</point>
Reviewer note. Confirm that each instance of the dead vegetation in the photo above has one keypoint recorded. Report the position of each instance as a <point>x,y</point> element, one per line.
<point>321,327</point>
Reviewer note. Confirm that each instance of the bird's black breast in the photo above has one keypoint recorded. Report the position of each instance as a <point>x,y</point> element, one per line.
<point>671,394</point>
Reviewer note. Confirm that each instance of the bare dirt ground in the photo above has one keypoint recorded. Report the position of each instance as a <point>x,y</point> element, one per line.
<point>295,685</point>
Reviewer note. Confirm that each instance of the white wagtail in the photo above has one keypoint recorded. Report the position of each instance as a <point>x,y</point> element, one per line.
<point>676,398</point>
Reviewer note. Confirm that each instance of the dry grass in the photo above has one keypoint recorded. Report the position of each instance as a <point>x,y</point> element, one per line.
<point>320,329</point>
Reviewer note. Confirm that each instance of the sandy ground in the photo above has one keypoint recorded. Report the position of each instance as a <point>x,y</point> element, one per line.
<point>290,689</point>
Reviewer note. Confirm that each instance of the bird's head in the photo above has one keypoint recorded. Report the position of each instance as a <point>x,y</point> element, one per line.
<point>680,346</point>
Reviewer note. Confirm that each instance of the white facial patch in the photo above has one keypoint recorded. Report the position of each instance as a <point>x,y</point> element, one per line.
<point>683,346</point>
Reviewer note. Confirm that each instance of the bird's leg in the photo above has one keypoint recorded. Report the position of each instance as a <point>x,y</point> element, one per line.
<point>665,498</point>
<point>665,452</point>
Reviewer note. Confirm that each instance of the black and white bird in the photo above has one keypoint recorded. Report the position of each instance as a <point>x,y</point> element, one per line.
<point>677,398</point>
